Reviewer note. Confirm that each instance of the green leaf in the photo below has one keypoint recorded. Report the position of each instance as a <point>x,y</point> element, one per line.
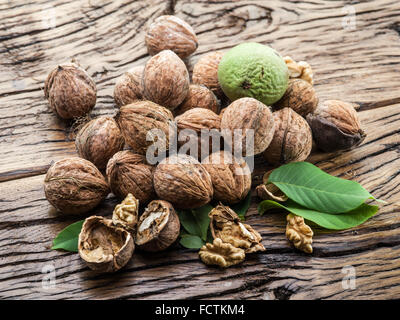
<point>196,221</point>
<point>191,242</point>
<point>312,188</point>
<point>242,207</point>
<point>342,221</point>
<point>67,239</point>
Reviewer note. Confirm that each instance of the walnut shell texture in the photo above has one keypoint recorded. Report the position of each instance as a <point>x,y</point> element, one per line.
<point>231,177</point>
<point>138,118</point>
<point>103,246</point>
<point>300,96</point>
<point>71,92</point>
<point>249,113</point>
<point>183,181</point>
<point>128,172</point>
<point>128,87</point>
<point>199,96</point>
<point>292,139</point>
<point>158,227</point>
<point>166,80</point>
<point>99,140</point>
<point>205,72</point>
<point>171,33</point>
<point>74,185</point>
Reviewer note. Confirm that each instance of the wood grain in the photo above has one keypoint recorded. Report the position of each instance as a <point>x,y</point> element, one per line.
<point>357,65</point>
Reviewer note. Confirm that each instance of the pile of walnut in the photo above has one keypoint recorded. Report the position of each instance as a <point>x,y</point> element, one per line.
<point>153,96</point>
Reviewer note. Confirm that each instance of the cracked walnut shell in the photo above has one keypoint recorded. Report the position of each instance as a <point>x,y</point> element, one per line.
<point>269,191</point>
<point>299,233</point>
<point>125,214</point>
<point>103,246</point>
<point>221,254</point>
<point>128,87</point>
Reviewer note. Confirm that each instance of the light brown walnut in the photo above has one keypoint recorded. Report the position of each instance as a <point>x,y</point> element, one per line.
<point>128,87</point>
<point>221,254</point>
<point>299,233</point>
<point>199,96</point>
<point>126,214</point>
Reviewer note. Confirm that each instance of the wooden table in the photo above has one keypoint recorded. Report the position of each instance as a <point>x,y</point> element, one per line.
<point>357,62</point>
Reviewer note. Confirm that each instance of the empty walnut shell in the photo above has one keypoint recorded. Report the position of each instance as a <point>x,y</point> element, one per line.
<point>231,177</point>
<point>300,96</point>
<point>252,117</point>
<point>128,87</point>
<point>158,227</point>
<point>128,172</point>
<point>99,140</point>
<point>335,126</point>
<point>171,33</point>
<point>269,191</point>
<point>71,92</point>
<point>183,181</point>
<point>136,120</point>
<point>166,80</point>
<point>103,246</point>
<point>199,96</point>
<point>205,72</point>
<point>74,185</point>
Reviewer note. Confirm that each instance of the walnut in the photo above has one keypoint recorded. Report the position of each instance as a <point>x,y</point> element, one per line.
<point>74,185</point>
<point>99,140</point>
<point>128,87</point>
<point>166,80</point>
<point>183,181</point>
<point>71,92</point>
<point>221,254</point>
<point>299,233</point>
<point>125,214</point>
<point>269,191</point>
<point>136,120</point>
<point>103,246</point>
<point>225,224</point>
<point>231,177</point>
<point>335,126</point>
<point>199,96</point>
<point>158,227</point>
<point>299,69</point>
<point>205,72</point>
<point>292,139</point>
<point>300,96</point>
<point>171,33</point>
<point>129,173</point>
<point>244,114</point>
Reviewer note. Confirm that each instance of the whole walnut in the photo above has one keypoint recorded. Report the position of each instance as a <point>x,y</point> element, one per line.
<point>99,140</point>
<point>136,120</point>
<point>231,177</point>
<point>199,96</point>
<point>74,185</point>
<point>292,140</point>
<point>128,172</point>
<point>199,128</point>
<point>183,181</point>
<point>165,80</point>
<point>248,114</point>
<point>71,92</point>
<point>300,96</point>
<point>171,33</point>
<point>128,87</point>
<point>205,72</point>
<point>335,126</point>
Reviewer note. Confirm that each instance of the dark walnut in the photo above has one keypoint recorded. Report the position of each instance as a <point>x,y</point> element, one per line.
<point>183,181</point>
<point>171,33</point>
<point>166,80</point>
<point>99,140</point>
<point>136,120</point>
<point>231,177</point>
<point>158,227</point>
<point>199,96</point>
<point>335,126</point>
<point>103,246</point>
<point>292,140</point>
<point>128,87</point>
<point>71,92</point>
<point>128,172</point>
<point>74,185</point>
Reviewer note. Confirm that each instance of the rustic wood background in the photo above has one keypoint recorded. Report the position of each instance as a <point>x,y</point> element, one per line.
<point>357,63</point>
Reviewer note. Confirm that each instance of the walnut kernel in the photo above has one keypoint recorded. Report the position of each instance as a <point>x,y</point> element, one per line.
<point>221,254</point>
<point>299,233</point>
<point>299,69</point>
<point>125,214</point>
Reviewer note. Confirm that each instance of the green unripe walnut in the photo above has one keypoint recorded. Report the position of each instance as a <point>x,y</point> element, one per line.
<point>253,70</point>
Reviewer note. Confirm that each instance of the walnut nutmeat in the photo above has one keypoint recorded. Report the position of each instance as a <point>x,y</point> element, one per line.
<point>126,214</point>
<point>299,69</point>
<point>221,254</point>
<point>299,233</point>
